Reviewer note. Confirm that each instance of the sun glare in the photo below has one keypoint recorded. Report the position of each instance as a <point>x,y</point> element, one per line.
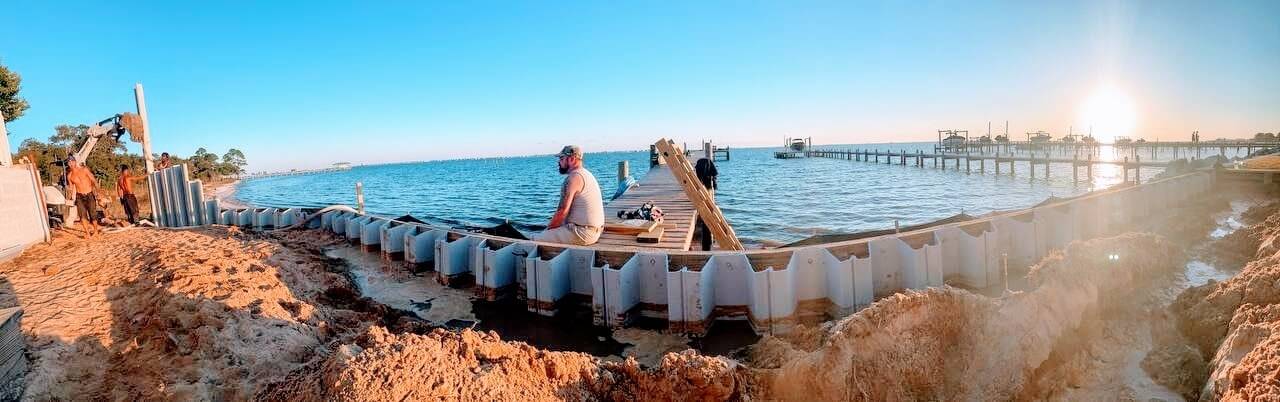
<point>1110,113</point>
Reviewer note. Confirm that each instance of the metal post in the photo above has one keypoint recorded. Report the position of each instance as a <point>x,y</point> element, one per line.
<point>6,159</point>
<point>360,197</point>
<point>141,103</point>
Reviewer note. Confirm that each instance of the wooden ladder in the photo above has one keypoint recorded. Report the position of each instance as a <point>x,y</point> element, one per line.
<point>708,211</point>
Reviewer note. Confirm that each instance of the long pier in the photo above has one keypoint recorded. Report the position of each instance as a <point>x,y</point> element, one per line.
<point>940,161</point>
<point>1134,149</point>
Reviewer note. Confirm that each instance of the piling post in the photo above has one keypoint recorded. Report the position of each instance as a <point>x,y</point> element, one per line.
<point>1089,167</point>
<point>997,166</point>
<point>624,170</point>
<point>360,197</point>
<point>1075,165</point>
<point>1032,165</point>
<point>6,159</point>
<point>1125,168</point>
<point>1137,170</point>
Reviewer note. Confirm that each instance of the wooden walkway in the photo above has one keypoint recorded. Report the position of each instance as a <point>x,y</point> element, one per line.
<point>659,186</point>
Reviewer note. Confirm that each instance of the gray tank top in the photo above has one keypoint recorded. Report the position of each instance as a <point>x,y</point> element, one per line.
<point>587,208</point>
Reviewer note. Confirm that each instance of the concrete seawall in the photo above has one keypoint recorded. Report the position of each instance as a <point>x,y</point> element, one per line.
<point>771,288</point>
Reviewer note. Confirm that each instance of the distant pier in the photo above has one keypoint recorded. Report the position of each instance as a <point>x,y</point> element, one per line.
<point>1197,149</point>
<point>940,161</point>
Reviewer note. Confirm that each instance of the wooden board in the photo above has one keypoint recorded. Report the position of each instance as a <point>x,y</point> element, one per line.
<point>701,198</point>
<point>679,213</point>
<point>621,228</point>
<point>652,236</point>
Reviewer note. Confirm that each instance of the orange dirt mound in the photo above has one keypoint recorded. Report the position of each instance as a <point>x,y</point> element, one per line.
<point>164,314</point>
<point>1238,323</point>
<point>471,365</point>
<point>951,344</point>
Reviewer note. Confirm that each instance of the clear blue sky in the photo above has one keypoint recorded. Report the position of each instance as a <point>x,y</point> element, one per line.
<point>305,84</point>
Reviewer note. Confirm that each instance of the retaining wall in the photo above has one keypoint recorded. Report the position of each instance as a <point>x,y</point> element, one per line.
<point>773,288</point>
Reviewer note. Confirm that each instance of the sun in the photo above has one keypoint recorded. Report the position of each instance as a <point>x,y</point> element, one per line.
<point>1109,112</point>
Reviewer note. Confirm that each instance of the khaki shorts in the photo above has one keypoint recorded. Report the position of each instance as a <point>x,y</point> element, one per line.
<point>570,234</point>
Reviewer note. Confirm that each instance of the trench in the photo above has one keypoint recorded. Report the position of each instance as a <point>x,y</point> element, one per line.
<point>420,295</point>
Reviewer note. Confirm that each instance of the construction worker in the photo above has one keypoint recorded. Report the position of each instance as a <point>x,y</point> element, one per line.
<point>124,186</point>
<point>84,186</point>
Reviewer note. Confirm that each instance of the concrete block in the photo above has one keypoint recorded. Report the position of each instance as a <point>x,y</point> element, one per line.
<point>197,215</point>
<point>496,270</point>
<point>371,233</point>
<point>213,212</point>
<point>420,244</point>
<point>391,237</point>
<point>265,218</point>
<point>546,281</point>
<point>244,217</point>
<point>453,257</point>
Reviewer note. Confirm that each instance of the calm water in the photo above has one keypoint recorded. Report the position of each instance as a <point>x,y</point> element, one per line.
<point>766,200</point>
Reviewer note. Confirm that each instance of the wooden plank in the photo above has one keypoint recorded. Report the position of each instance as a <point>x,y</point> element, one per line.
<point>699,196</point>
<point>652,236</point>
<point>625,229</point>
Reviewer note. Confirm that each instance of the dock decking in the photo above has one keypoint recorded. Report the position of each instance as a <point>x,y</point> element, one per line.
<point>659,186</point>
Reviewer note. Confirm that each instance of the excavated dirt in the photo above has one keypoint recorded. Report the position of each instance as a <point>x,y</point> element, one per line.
<point>948,344</point>
<point>159,314</point>
<point>471,365</point>
<point>1237,323</point>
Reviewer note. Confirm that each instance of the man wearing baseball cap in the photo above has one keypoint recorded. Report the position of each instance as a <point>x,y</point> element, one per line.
<point>580,217</point>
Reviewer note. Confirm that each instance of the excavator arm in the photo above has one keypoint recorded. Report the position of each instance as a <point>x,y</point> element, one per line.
<point>109,126</point>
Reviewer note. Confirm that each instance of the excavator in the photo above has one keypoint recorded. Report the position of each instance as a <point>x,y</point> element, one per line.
<point>59,201</point>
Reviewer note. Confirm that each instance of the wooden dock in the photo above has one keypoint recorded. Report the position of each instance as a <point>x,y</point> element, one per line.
<point>659,186</point>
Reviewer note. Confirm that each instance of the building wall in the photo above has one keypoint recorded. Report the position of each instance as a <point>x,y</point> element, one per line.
<point>22,220</point>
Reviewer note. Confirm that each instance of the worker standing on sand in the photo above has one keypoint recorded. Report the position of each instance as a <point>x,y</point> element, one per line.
<point>124,185</point>
<point>580,217</point>
<point>84,186</point>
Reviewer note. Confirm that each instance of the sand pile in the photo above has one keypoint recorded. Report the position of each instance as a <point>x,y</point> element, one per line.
<point>471,365</point>
<point>162,314</point>
<point>1237,322</point>
<point>1263,162</point>
<point>951,344</point>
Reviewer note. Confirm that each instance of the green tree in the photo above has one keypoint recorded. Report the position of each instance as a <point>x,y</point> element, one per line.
<point>233,162</point>
<point>203,164</point>
<point>10,103</point>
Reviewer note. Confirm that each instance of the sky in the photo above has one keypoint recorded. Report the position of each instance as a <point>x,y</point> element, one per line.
<point>307,84</point>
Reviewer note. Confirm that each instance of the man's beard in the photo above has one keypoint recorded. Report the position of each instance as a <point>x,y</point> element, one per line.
<point>564,170</point>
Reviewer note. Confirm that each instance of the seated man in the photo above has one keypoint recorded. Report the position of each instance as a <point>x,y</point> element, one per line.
<point>580,217</point>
